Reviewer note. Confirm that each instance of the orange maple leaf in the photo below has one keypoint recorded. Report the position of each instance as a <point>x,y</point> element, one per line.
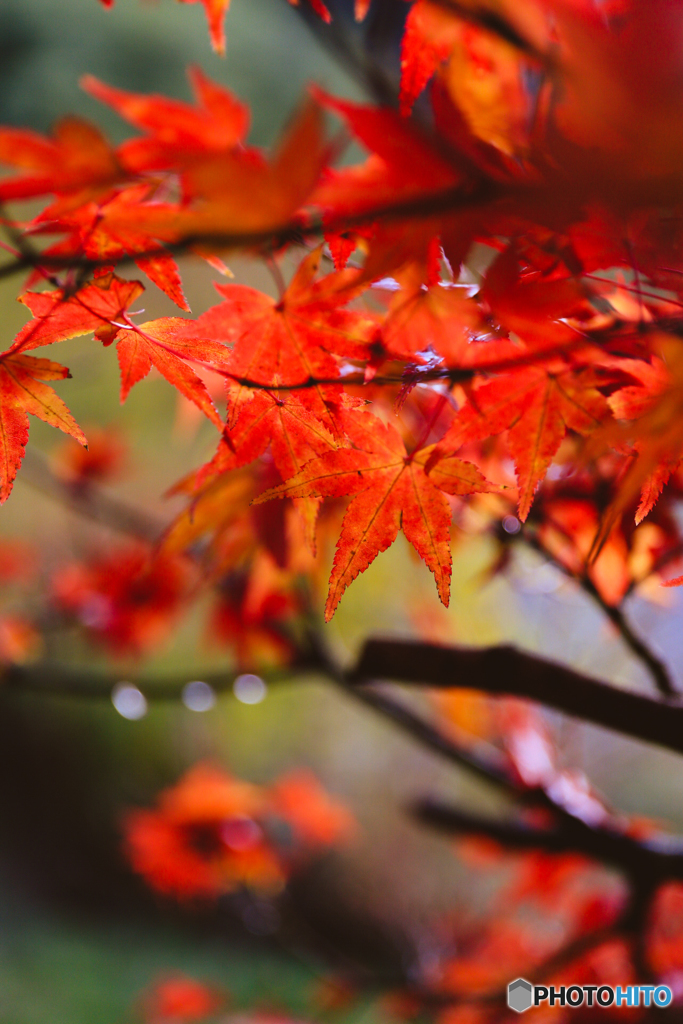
<point>655,430</point>
<point>638,401</point>
<point>283,423</point>
<point>278,420</point>
<point>430,313</point>
<point>168,343</point>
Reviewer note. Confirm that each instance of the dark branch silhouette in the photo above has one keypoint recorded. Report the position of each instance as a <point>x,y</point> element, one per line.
<point>505,670</point>
<point>571,835</point>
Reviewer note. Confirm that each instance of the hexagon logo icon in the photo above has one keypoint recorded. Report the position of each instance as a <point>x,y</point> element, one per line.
<point>520,995</point>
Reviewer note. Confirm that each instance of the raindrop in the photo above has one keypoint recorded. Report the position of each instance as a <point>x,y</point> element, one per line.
<point>198,696</point>
<point>511,524</point>
<point>249,689</point>
<point>129,701</point>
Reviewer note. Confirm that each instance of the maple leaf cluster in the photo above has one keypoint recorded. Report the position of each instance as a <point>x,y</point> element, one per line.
<point>498,296</point>
<point>212,833</point>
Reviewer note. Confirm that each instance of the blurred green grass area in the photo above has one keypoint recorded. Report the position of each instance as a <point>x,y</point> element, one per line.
<point>91,972</point>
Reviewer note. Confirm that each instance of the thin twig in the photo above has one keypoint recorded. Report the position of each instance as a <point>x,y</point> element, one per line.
<point>654,665</point>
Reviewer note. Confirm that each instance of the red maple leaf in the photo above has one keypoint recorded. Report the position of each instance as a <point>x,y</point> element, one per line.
<point>536,405</point>
<point>164,344</point>
<point>22,391</point>
<point>281,422</point>
<point>94,232</point>
<point>292,341</point>
<point>77,162</point>
<point>177,133</point>
<point>58,315</point>
<point>392,491</point>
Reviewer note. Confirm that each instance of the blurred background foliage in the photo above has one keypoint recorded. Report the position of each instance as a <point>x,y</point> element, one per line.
<point>79,936</point>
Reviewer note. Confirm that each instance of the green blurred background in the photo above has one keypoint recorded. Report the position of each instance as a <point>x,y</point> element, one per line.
<point>79,938</point>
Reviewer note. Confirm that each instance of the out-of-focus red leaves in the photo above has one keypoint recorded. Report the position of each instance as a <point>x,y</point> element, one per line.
<point>665,934</point>
<point>177,999</point>
<point>205,838</point>
<point>20,640</point>
<point>175,132</point>
<point>318,819</point>
<point>550,901</point>
<point>422,50</point>
<point>254,611</point>
<point>104,459</point>
<point>18,561</point>
<point>319,8</point>
<point>215,11</point>
<point>212,833</point>
<point>75,164</point>
<point>332,993</point>
<point>128,600</point>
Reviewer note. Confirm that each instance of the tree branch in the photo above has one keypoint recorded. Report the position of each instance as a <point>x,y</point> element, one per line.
<point>636,645</point>
<point>523,675</point>
<point>504,670</point>
<point>276,236</point>
<point>637,858</point>
<point>53,679</point>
